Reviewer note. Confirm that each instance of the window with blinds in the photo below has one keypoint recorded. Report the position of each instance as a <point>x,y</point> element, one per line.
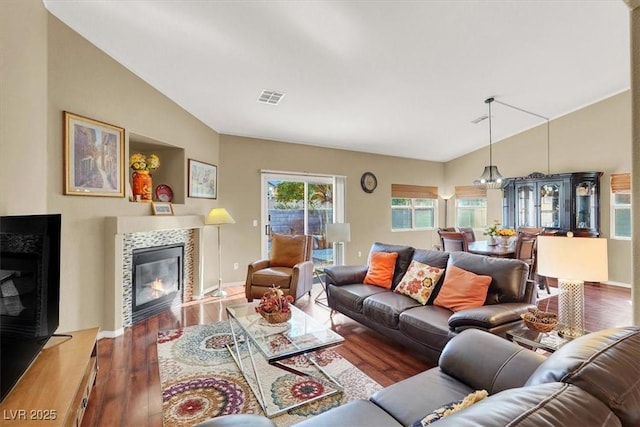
<point>413,207</point>
<point>621,206</point>
<point>471,206</point>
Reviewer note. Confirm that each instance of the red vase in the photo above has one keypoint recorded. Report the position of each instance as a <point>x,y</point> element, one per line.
<point>142,185</point>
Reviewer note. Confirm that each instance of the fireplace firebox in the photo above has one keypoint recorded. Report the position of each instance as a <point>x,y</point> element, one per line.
<point>157,280</point>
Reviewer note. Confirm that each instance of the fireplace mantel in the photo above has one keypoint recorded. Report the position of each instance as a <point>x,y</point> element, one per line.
<point>139,224</point>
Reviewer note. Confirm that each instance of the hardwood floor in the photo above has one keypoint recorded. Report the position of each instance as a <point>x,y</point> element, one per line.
<point>127,391</point>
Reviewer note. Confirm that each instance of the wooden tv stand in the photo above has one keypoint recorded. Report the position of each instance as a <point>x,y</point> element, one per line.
<point>55,390</point>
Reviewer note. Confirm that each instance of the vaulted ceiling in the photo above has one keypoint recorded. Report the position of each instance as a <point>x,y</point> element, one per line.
<point>402,78</point>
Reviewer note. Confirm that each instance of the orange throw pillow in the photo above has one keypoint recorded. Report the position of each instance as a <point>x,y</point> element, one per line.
<point>462,289</point>
<point>381,268</point>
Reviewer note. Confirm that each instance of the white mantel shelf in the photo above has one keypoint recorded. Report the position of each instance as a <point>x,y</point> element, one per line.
<point>139,224</point>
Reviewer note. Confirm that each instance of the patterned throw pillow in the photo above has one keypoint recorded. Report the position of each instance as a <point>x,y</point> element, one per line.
<point>419,281</point>
<point>451,408</point>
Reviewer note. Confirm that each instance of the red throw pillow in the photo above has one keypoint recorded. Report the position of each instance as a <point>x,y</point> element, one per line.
<point>381,268</point>
<point>462,289</point>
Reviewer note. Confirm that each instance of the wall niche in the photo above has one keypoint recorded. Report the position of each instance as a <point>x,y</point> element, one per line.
<point>172,170</point>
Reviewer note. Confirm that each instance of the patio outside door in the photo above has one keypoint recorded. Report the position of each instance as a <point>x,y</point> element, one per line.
<point>298,204</point>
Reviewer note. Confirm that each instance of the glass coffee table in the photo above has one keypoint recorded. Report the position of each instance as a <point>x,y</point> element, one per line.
<point>547,341</point>
<point>278,359</point>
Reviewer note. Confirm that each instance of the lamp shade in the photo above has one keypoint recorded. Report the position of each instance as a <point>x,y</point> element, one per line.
<point>573,258</point>
<point>218,216</point>
<point>339,232</point>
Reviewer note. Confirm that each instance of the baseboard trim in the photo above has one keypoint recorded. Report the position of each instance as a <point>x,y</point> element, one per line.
<point>618,284</point>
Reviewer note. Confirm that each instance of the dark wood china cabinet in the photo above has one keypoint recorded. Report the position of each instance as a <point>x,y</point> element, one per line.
<point>562,202</point>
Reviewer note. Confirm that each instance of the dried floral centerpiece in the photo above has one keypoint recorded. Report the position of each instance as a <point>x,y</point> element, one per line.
<point>274,306</point>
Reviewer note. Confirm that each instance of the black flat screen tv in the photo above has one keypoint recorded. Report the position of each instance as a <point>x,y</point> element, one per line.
<point>29,291</point>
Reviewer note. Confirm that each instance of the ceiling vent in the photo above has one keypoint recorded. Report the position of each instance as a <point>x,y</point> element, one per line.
<point>270,97</point>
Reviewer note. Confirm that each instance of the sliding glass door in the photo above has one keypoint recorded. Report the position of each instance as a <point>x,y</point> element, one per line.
<point>298,204</point>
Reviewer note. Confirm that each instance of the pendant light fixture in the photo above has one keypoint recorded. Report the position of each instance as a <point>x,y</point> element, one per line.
<point>491,177</point>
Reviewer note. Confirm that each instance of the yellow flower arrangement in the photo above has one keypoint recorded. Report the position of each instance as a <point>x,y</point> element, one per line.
<point>140,162</point>
<point>506,232</point>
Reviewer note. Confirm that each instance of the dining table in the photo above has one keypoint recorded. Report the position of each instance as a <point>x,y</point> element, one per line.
<point>482,247</point>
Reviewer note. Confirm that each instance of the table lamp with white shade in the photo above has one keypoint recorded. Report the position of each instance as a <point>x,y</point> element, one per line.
<point>572,260</point>
<point>218,217</point>
<point>339,233</point>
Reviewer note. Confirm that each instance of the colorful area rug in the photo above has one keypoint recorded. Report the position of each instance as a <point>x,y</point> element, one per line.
<point>200,380</point>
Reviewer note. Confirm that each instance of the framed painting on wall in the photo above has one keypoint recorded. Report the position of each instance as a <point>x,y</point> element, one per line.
<point>203,180</point>
<point>93,157</point>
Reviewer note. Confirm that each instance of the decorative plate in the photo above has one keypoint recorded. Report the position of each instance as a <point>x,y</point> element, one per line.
<point>164,193</point>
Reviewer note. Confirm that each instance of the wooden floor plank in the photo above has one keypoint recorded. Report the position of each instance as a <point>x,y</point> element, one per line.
<point>128,382</point>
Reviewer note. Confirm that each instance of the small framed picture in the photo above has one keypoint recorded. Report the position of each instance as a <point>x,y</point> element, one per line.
<point>160,208</point>
<point>93,157</point>
<point>203,180</point>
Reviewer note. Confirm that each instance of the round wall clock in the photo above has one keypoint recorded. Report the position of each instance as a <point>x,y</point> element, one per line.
<point>369,182</point>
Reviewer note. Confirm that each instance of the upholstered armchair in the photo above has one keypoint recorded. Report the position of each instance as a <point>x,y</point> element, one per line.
<point>289,267</point>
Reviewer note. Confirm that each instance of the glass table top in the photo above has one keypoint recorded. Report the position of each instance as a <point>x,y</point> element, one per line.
<point>548,341</point>
<point>300,334</point>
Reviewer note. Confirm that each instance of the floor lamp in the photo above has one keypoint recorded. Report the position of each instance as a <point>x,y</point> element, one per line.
<point>218,217</point>
<point>572,260</point>
<point>339,233</point>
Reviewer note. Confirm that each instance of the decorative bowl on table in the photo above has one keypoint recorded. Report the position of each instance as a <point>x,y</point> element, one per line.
<point>277,317</point>
<point>540,321</point>
<point>274,306</point>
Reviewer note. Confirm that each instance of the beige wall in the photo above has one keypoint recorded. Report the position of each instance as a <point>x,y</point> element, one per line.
<point>54,69</point>
<point>242,159</point>
<point>595,138</point>
<point>23,107</point>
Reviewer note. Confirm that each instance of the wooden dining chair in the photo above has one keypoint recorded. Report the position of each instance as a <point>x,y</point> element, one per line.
<point>530,230</point>
<point>453,241</point>
<point>469,233</point>
<point>526,250</point>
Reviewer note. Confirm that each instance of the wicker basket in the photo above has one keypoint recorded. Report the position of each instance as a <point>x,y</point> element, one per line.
<point>278,317</point>
<point>538,326</point>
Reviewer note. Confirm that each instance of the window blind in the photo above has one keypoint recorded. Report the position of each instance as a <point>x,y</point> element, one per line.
<point>470,192</point>
<point>413,191</point>
<point>621,183</point>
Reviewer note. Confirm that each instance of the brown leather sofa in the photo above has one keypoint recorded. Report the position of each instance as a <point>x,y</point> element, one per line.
<point>428,328</point>
<point>593,380</point>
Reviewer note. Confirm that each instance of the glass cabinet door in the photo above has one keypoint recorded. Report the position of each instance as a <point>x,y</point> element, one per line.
<point>585,215</point>
<point>525,205</point>
<point>550,199</point>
